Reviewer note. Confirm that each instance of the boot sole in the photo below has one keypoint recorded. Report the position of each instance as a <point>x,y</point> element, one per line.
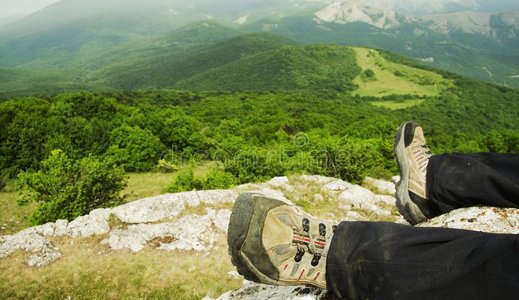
<point>237,233</point>
<point>251,208</point>
<point>405,205</point>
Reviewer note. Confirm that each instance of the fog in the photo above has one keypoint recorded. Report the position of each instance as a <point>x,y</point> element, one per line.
<point>11,8</point>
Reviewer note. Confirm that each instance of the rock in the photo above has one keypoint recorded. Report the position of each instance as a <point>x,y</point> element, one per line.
<point>487,219</point>
<point>318,197</point>
<point>211,197</point>
<point>381,186</point>
<point>191,232</point>
<point>61,228</point>
<point>150,209</point>
<point>166,206</point>
<point>234,274</point>
<point>48,229</point>
<point>96,222</point>
<point>33,242</point>
<point>162,223</point>
<point>221,219</point>
<point>253,291</point>
<point>358,197</point>
<point>281,183</point>
<point>336,186</point>
<point>316,179</point>
<point>354,216</point>
<point>388,200</point>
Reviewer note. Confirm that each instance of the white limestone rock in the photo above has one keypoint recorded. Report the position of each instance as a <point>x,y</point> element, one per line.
<point>211,197</point>
<point>41,250</point>
<point>95,223</point>
<point>192,232</point>
<point>167,206</point>
<point>61,228</point>
<point>150,209</point>
<point>487,219</point>
<point>336,186</point>
<point>221,219</point>
<point>281,183</point>
<point>256,291</point>
<point>381,186</point>
<point>359,197</point>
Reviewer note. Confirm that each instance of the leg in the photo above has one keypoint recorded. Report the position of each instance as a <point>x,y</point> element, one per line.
<point>370,260</point>
<point>464,180</point>
<point>434,184</point>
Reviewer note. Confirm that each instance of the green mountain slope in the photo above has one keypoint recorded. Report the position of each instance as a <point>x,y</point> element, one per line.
<point>488,58</point>
<point>90,62</point>
<point>207,57</point>
<point>287,68</point>
<point>167,69</point>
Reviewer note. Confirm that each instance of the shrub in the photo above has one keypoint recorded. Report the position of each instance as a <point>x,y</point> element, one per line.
<point>368,75</point>
<point>135,149</point>
<point>66,189</point>
<point>184,180</point>
<point>219,179</point>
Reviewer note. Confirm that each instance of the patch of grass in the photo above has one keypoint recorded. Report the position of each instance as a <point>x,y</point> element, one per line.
<point>394,79</point>
<point>307,195</point>
<point>397,105</point>
<point>89,270</point>
<point>143,185</point>
<point>13,217</point>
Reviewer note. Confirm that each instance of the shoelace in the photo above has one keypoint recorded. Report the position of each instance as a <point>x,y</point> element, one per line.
<point>311,243</point>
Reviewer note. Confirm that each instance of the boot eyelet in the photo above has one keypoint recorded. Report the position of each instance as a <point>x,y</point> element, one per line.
<point>322,229</point>
<point>316,259</point>
<point>299,255</point>
<point>306,224</point>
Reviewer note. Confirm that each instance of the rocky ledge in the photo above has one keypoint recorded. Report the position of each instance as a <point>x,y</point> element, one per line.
<point>194,220</point>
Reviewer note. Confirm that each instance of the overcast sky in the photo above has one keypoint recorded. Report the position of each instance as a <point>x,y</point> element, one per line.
<point>10,8</point>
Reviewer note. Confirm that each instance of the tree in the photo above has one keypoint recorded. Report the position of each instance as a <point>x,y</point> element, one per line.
<point>66,189</point>
<point>135,149</point>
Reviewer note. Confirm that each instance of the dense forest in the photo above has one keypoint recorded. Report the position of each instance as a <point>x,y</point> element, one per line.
<point>254,135</point>
<point>272,109</point>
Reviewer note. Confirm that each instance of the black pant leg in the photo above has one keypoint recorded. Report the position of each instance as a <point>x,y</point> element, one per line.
<point>464,180</point>
<point>378,260</point>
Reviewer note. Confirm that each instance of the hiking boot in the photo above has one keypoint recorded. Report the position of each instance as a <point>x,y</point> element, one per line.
<point>412,156</point>
<point>276,243</point>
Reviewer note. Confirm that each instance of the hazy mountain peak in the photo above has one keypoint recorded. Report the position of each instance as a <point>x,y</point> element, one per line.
<point>473,22</point>
<point>467,21</point>
<point>511,18</point>
<point>351,11</point>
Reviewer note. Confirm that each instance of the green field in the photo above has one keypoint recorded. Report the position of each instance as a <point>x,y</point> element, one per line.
<point>395,79</point>
<point>396,105</point>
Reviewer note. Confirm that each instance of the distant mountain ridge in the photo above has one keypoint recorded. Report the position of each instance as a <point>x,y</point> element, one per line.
<point>487,24</point>
<point>91,45</point>
<point>480,45</point>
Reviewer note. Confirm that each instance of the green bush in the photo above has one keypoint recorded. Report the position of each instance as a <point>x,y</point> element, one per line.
<point>184,180</point>
<point>219,179</point>
<point>216,178</point>
<point>368,75</point>
<point>66,189</point>
<point>135,149</point>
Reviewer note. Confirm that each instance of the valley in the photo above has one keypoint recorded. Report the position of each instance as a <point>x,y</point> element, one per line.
<point>128,128</point>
